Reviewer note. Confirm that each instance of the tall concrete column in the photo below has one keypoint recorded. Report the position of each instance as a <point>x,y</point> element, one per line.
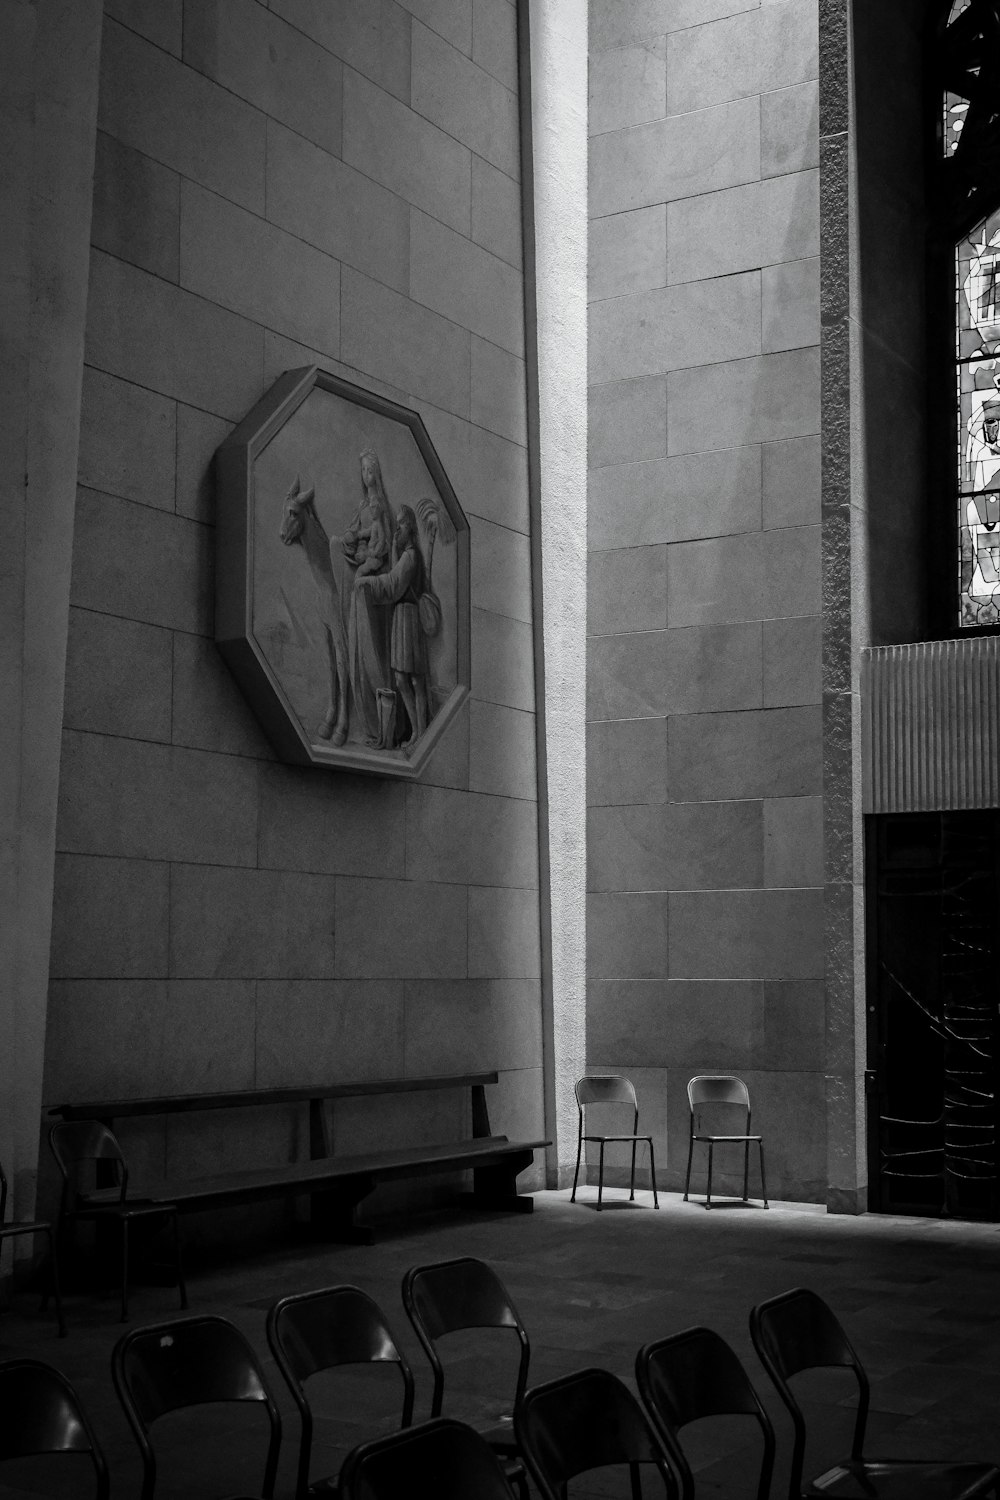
<point>558,117</point>
<point>49,56</point>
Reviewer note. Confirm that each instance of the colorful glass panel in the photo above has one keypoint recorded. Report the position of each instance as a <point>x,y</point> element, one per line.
<point>957,9</point>
<point>977,349</point>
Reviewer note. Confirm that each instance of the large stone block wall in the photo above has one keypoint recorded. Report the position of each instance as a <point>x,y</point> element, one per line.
<point>705,912</point>
<point>276,186</point>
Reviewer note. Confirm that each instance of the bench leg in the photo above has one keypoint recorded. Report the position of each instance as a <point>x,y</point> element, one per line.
<point>335,1210</point>
<point>496,1187</point>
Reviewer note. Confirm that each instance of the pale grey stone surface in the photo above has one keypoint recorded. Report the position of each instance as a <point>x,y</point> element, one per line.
<point>627,590</point>
<point>501,571</point>
<point>627,253</point>
<point>627,421</point>
<point>159,569</point>
<point>627,936</point>
<point>208,711</point>
<point>198,436</point>
<point>136,208</point>
<point>503,667</point>
<point>451,19</point>
<point>503,934</point>
<point>318,198</point>
<point>737,229</point>
<point>793,841</point>
<point>254,54</point>
<point>464,100</point>
<point>699,669</point>
<point>764,399</point>
<point>791,475</point>
<point>398,340</point>
<point>676,847</point>
<point>762,48</point>
<point>793,661</point>
<point>128,440</point>
<point>488,471</point>
<point>628,86</point>
<point>501,751</point>
<point>677,157</point>
<point>250,924</point>
<point>151,102</point>
<point>470,1021</point>
<point>88,940</point>
<point>344,1029</point>
<point>309,823</point>
<point>469,839</point>
<point>371,36</point>
<point>466,283</point>
<point>118,677</point>
<point>789,130</point>
<point>407,929</point>
<point>405,152</point>
<point>496,212</point>
<point>678,499</point>
<point>675,326</point>
<point>613,23</point>
<point>790,305</point>
<point>497,391</point>
<point>143,801</point>
<point>159,21</point>
<point>147,331</point>
<point>494,40</point>
<point>746,934</point>
<point>775,753</point>
<point>626,761</point>
<point>235,260</point>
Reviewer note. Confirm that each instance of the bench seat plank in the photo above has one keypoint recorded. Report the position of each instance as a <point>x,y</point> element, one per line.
<point>170,1104</point>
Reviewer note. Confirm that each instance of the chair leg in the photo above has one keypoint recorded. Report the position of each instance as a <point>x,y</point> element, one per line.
<point>708,1195</point>
<point>54,1283</point>
<point>746,1171</point>
<point>576,1174</point>
<point>687,1179</point>
<point>600,1178</point>
<point>652,1173</point>
<point>181,1283</point>
<point>124,1270</point>
<point>631,1186</point>
<point>763,1182</point>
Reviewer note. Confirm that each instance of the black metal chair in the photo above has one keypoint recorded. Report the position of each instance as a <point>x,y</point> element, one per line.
<point>18,1227</point>
<point>81,1144</point>
<point>798,1331</point>
<point>189,1362</point>
<point>465,1294</point>
<point>443,1458</point>
<point>692,1375</point>
<point>609,1088</point>
<point>588,1420</point>
<point>713,1091</point>
<point>41,1414</point>
<point>310,1332</point>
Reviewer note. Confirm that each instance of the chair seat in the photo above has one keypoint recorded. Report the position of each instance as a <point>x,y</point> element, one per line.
<point>912,1479</point>
<point>25,1226</point>
<point>616,1138</point>
<point>727,1138</point>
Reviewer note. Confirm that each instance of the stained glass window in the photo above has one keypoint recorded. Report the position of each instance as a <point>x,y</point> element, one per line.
<point>967,61</point>
<point>977,291</point>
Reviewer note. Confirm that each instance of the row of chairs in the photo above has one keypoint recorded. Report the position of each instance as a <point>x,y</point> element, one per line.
<point>558,1430</point>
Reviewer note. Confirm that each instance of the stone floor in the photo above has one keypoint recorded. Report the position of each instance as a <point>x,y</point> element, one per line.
<point>918,1297</point>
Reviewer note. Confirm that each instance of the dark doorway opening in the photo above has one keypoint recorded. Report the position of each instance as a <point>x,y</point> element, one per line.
<point>934,1013</point>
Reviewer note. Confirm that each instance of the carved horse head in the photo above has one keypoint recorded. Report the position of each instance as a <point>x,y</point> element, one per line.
<point>297,503</point>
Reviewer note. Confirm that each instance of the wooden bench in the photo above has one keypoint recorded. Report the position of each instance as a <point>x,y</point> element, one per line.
<point>335,1184</point>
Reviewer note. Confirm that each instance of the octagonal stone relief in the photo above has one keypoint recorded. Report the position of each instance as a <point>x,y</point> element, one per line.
<point>342,576</point>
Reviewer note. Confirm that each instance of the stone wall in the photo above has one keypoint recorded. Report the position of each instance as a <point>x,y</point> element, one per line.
<point>705,916</point>
<point>278,186</point>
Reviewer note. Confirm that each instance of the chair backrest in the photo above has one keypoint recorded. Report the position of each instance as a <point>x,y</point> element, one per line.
<point>42,1414</point>
<point>605,1088</point>
<point>313,1331</point>
<point>167,1366</point>
<point>587,1420</point>
<point>443,1458</point>
<point>720,1088</point>
<point>692,1375</point>
<point>454,1294</point>
<point>798,1331</point>
<point>77,1143</point>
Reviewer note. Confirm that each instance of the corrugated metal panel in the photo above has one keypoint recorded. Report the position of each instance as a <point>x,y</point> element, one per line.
<point>931,731</point>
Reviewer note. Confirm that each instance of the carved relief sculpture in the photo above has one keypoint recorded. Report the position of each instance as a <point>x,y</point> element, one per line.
<point>331,503</point>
